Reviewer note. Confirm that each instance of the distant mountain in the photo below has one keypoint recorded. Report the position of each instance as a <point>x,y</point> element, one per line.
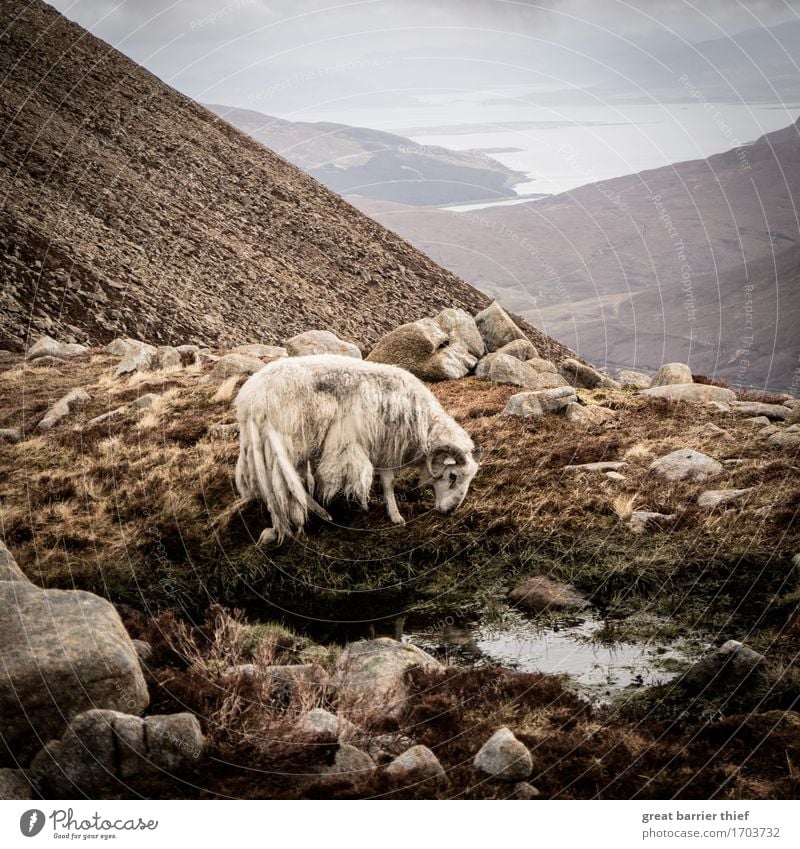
<point>128,209</point>
<point>697,261</point>
<point>356,161</point>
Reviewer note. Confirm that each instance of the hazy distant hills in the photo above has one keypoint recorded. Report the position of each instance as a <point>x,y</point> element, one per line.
<point>356,161</point>
<point>649,267</point>
<point>128,209</point>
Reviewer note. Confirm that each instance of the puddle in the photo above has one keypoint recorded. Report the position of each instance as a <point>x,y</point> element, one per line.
<point>566,646</point>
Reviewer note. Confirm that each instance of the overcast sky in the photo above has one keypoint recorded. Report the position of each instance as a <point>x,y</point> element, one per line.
<point>312,56</point>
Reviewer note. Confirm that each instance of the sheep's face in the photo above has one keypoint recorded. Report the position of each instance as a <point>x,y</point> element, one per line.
<point>450,472</point>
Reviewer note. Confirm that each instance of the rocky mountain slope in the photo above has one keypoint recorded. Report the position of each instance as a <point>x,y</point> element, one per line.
<point>648,267</point>
<point>369,163</point>
<point>129,209</point>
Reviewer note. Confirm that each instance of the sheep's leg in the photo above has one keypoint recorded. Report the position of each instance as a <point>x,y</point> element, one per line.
<point>268,537</point>
<point>387,482</point>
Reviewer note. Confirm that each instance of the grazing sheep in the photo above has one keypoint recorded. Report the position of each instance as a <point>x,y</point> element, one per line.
<point>325,424</point>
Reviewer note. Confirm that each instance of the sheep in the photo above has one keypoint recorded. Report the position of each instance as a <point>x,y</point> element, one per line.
<point>325,424</point>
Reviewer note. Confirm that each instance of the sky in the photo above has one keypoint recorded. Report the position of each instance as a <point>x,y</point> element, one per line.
<point>301,59</point>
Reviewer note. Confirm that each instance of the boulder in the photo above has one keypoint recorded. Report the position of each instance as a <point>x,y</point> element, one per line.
<point>461,329</point>
<point>349,762</point>
<point>370,675</point>
<point>138,356</point>
<point>691,393</point>
<point>630,379</point>
<point>758,421</point>
<point>534,404</point>
<point>235,364</point>
<point>583,376</point>
<point>686,464</point>
<point>167,357</point>
<point>49,347</point>
<point>715,497</point>
<point>774,412</point>
<point>520,349</point>
<point>726,667</point>
<point>9,570</point>
<point>788,438</point>
<point>641,521</point>
<point>14,784</point>
<point>414,766</point>
<point>544,366</point>
<point>145,401</point>
<point>588,414</point>
<point>539,593</point>
<point>502,368</point>
<point>672,373</point>
<point>497,327</point>
<point>504,758</point>
<point>10,434</point>
<point>320,725</point>
<point>794,415</point>
<point>320,342</point>
<point>424,349</point>
<point>715,431</point>
<point>64,651</point>
<point>263,352</point>
<point>103,752</point>
<point>63,407</point>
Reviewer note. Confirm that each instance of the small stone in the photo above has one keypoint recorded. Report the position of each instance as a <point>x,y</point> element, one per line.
<point>523,790</point>
<point>630,379</point>
<point>727,666</point>
<point>314,342</point>
<point>758,421</point>
<point>144,401</point>
<point>234,364</point>
<point>641,521</point>
<point>686,464</point>
<point>504,758</point>
<point>615,476</point>
<point>588,414</point>
<point>322,725</point>
<point>44,347</point>
<point>715,497</point>
<point>539,593</point>
<point>350,762</point>
<point>672,373</point>
<point>63,408</point>
<point>714,430</point>
<point>10,434</point>
<point>601,466</point>
<point>414,766</point>
<point>534,404</point>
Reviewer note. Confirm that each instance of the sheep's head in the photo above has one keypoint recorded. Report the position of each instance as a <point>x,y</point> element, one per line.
<point>450,472</point>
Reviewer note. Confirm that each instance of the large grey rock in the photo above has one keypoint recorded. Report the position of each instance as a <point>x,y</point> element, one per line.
<point>774,412</point>
<point>497,327</point>
<point>787,438</point>
<point>232,364</point>
<point>136,356</point>
<point>49,347</point>
<point>521,349</point>
<point>14,784</point>
<point>504,758</point>
<point>320,725</point>
<point>728,666</point>
<point>63,652</point>
<point>425,349</point>
<point>503,368</point>
<point>589,414</point>
<point>715,497</point>
<point>583,376</point>
<point>631,379</point>
<point>414,766</point>
<point>691,393</point>
<point>103,752</point>
<point>9,570</point>
<point>122,347</point>
<point>370,675</point>
<point>686,464</point>
<point>544,366</point>
<point>461,329</point>
<point>320,342</point>
<point>63,407</point>
<point>168,357</point>
<point>534,404</point>
<point>671,373</point>
<point>539,593</point>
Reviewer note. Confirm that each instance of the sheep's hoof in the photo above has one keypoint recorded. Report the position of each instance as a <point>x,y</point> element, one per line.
<point>399,521</point>
<point>269,536</point>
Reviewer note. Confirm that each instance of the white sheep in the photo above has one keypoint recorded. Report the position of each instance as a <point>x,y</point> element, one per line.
<point>325,424</point>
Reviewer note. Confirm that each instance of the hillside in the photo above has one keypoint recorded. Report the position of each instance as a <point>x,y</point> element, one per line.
<point>647,267</point>
<point>129,209</point>
<point>369,163</point>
